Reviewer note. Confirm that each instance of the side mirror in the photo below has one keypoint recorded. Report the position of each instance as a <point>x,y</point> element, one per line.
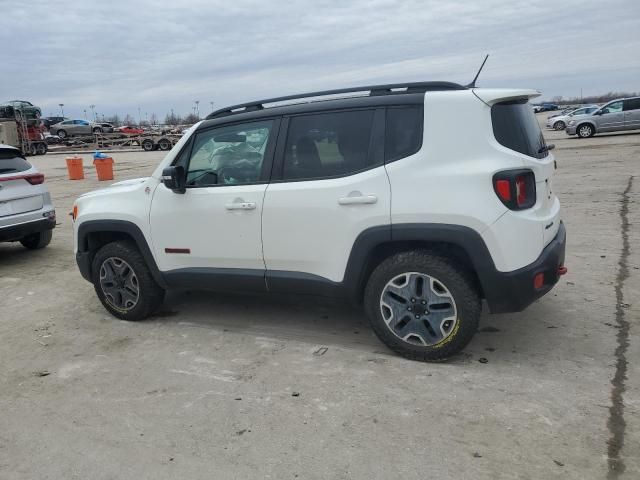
<point>600,112</point>
<point>174,179</point>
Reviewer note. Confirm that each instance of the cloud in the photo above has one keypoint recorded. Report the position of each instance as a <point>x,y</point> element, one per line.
<point>161,55</point>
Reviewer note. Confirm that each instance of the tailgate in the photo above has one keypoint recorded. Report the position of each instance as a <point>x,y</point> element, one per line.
<point>17,196</point>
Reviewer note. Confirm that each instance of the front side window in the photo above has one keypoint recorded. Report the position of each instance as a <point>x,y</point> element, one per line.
<point>231,155</point>
<point>614,107</point>
<point>515,127</point>
<point>328,145</point>
<point>403,132</point>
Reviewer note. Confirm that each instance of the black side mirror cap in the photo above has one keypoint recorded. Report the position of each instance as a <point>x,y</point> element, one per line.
<point>174,179</point>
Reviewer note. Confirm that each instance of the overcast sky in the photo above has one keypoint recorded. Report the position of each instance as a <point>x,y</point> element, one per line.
<point>158,55</point>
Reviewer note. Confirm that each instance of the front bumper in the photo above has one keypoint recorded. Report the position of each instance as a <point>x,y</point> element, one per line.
<point>514,291</point>
<point>571,130</point>
<point>13,233</point>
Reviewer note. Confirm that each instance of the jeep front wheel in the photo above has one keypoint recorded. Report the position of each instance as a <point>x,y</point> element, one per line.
<point>422,306</point>
<point>124,283</point>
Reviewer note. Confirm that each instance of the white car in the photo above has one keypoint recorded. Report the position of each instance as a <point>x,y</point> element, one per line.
<point>559,122</point>
<point>373,198</point>
<point>26,212</point>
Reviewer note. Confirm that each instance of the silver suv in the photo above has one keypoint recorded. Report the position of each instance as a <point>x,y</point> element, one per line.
<point>615,116</point>
<point>26,213</point>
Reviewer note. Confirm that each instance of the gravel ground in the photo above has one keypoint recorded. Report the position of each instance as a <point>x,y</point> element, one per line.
<point>232,387</point>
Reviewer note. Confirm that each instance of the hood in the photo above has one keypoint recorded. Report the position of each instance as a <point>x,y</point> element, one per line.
<point>123,186</point>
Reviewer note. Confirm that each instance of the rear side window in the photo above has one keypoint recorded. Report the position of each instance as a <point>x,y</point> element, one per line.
<point>632,104</point>
<point>328,145</point>
<point>403,132</point>
<point>515,127</point>
<point>12,163</point>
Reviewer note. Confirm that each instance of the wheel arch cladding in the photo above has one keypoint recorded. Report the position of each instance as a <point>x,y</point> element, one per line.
<point>463,244</point>
<point>94,234</point>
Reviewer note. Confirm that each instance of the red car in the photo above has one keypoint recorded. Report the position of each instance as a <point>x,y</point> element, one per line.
<point>129,130</point>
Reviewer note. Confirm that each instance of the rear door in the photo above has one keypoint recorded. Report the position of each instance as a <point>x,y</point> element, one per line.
<point>612,117</point>
<point>329,185</point>
<point>632,113</point>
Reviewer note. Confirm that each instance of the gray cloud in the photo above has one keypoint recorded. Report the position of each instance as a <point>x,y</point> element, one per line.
<point>159,55</point>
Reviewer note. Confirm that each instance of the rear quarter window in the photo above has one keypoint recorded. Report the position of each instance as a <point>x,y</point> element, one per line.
<point>12,163</point>
<point>403,132</point>
<point>515,126</point>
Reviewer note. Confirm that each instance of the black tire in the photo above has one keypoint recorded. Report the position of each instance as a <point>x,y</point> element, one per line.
<point>33,150</point>
<point>559,125</point>
<point>164,144</point>
<point>585,130</point>
<point>97,130</point>
<point>460,287</point>
<point>147,145</point>
<point>62,133</point>
<point>41,148</point>
<point>150,294</point>
<point>36,241</point>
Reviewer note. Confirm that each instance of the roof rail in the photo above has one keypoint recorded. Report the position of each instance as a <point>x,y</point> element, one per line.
<point>415,87</point>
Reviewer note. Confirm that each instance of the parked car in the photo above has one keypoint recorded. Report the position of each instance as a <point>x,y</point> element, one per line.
<point>52,139</point>
<point>246,201</point>
<point>615,116</point>
<point>547,107</point>
<point>68,128</point>
<point>26,212</point>
<point>130,130</point>
<point>107,128</point>
<point>48,121</point>
<point>559,122</point>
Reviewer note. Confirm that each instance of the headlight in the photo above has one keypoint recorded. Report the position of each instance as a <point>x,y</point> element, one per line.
<point>572,123</point>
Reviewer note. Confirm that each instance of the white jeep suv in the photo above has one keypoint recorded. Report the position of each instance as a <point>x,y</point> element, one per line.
<point>370,197</point>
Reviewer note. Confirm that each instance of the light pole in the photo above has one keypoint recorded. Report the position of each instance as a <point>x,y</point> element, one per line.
<point>61,109</point>
<point>211,103</point>
<point>198,109</point>
<point>85,113</point>
<point>139,116</point>
<point>93,113</point>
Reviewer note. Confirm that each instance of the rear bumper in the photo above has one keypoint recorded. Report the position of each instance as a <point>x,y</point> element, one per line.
<point>12,233</point>
<point>514,291</point>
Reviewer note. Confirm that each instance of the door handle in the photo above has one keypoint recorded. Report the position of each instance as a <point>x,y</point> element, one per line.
<point>358,200</point>
<point>235,205</point>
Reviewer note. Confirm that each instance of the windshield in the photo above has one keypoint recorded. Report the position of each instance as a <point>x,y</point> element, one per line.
<point>515,127</point>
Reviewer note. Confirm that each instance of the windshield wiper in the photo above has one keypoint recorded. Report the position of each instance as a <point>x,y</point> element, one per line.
<point>546,148</point>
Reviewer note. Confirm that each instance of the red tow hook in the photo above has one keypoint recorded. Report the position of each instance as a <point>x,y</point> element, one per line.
<point>562,270</point>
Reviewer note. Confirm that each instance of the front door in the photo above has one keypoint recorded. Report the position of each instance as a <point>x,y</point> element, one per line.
<point>216,224</point>
<point>612,117</point>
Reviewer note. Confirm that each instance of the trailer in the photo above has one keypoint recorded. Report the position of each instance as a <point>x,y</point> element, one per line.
<point>24,134</point>
<point>111,141</point>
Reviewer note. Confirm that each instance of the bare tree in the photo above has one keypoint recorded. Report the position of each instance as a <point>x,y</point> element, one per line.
<point>129,120</point>
<point>191,118</point>
<point>153,119</point>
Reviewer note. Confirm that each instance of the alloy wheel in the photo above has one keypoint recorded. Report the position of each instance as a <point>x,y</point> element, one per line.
<point>418,309</point>
<point>119,284</point>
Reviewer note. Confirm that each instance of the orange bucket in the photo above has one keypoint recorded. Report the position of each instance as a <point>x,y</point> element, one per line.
<point>75,169</point>
<point>104,168</point>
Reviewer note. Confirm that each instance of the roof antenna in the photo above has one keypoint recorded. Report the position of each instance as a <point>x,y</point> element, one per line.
<point>473,84</point>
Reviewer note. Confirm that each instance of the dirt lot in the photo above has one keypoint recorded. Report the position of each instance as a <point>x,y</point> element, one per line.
<point>233,387</point>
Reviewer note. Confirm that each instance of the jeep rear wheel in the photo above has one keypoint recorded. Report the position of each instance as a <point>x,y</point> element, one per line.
<point>422,306</point>
<point>124,283</point>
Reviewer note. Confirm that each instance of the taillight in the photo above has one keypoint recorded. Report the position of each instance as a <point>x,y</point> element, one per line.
<point>516,188</point>
<point>35,179</point>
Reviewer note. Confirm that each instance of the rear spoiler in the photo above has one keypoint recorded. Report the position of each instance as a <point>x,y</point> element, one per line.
<point>491,96</point>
